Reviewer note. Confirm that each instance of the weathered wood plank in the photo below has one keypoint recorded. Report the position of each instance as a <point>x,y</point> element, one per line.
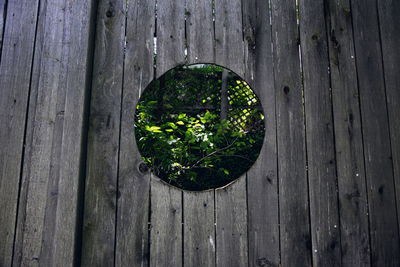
<point>170,35</point>
<point>262,184</point>
<point>15,72</point>
<point>166,225</point>
<point>200,31</point>
<point>18,243</point>
<point>199,207</point>
<point>348,137</point>
<point>3,13</point>
<point>377,151</point>
<point>103,137</point>
<point>199,228</point>
<point>325,227</point>
<point>134,183</point>
<point>390,37</point>
<point>53,168</point>
<point>229,45</point>
<point>231,202</point>
<point>295,236</point>
<point>231,221</point>
<point>166,201</point>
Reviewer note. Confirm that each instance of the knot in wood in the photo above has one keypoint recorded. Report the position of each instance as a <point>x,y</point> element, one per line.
<point>110,12</point>
<point>143,168</point>
<point>264,262</point>
<point>286,90</point>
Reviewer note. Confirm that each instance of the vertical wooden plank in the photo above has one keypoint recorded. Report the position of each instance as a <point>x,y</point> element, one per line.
<point>199,231</point>
<point>166,225</point>
<point>198,207</point>
<point>390,37</point>
<point>229,45</point>
<point>132,247</point>
<point>231,202</point>
<point>21,216</point>
<point>231,220</point>
<point>166,201</point>
<point>295,236</point>
<point>15,73</point>
<point>103,136</point>
<point>53,167</point>
<point>3,13</point>
<point>170,35</point>
<point>348,137</point>
<point>325,227</point>
<point>262,180</point>
<point>375,126</point>
<point>200,31</point>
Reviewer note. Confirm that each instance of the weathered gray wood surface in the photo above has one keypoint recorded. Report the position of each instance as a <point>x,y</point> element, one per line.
<point>200,31</point>
<point>348,137</point>
<point>166,202</point>
<point>262,179</point>
<point>2,20</point>
<point>132,244</point>
<point>323,191</point>
<point>166,225</point>
<point>199,237</point>
<point>295,236</point>
<point>390,40</point>
<point>229,45</point>
<point>231,202</point>
<point>15,73</point>
<point>170,34</point>
<point>324,209</point>
<point>100,208</point>
<point>231,222</point>
<point>199,229</point>
<point>375,126</point>
<point>48,208</point>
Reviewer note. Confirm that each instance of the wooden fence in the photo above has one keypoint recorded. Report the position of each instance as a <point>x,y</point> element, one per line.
<point>325,190</point>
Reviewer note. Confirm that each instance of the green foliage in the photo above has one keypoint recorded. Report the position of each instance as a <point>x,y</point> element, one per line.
<point>180,134</point>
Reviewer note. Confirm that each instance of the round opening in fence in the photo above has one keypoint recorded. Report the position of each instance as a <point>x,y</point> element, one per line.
<point>199,127</point>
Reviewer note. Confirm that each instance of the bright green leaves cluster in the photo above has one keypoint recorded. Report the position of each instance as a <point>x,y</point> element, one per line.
<point>180,133</point>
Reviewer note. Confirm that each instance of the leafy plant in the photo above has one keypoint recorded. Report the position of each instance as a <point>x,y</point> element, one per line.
<point>181,135</point>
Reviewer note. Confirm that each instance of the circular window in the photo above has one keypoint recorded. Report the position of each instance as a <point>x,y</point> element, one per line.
<point>199,126</point>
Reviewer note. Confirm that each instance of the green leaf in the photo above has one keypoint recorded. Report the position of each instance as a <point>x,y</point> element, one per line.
<point>154,129</point>
<point>181,116</point>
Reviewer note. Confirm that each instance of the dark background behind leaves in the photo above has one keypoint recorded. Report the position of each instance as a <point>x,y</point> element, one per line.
<point>181,135</point>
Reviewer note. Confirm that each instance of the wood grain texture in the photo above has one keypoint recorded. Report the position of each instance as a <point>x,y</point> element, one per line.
<point>325,225</point>
<point>231,221</point>
<point>166,225</point>
<point>229,45</point>
<point>3,13</point>
<point>200,31</point>
<point>53,166</point>
<point>103,137</point>
<point>132,246</point>
<point>384,232</point>
<point>295,236</point>
<point>15,73</point>
<point>166,201</point>
<point>231,202</point>
<point>199,244</point>
<point>390,39</point>
<point>199,229</point>
<point>262,180</point>
<point>324,191</point>
<point>348,137</point>
<point>170,35</point>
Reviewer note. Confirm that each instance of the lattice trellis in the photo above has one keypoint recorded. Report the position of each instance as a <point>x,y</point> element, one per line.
<point>245,111</point>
